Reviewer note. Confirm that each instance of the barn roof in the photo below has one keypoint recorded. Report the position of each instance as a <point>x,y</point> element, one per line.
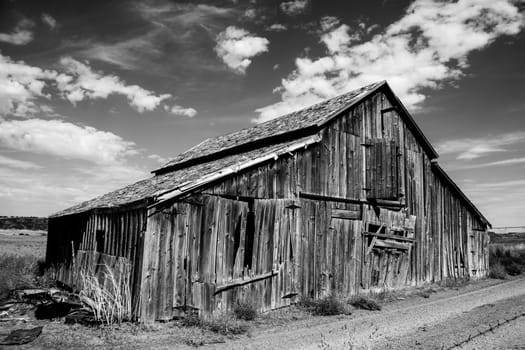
<point>306,120</point>
<point>178,181</point>
<point>215,158</point>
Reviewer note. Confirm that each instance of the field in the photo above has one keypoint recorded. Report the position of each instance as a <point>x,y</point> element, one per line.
<point>23,243</point>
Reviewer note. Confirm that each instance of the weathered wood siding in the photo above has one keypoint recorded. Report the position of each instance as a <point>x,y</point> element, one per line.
<point>316,247</point>
<point>115,234</point>
<point>364,208</point>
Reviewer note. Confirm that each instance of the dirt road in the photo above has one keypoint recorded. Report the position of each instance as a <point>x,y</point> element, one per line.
<point>471,318</point>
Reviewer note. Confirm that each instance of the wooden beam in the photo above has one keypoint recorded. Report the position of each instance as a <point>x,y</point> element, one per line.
<point>390,244</point>
<point>242,282</point>
<point>386,236</point>
<point>321,197</point>
<point>346,214</point>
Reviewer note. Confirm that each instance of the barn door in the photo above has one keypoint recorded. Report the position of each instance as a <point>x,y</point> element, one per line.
<point>213,252</point>
<point>388,238</point>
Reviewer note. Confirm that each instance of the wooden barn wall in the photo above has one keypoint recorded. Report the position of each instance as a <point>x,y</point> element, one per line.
<point>195,253</point>
<point>114,237</point>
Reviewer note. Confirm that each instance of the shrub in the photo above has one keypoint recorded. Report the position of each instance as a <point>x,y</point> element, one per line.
<point>497,270</point>
<point>327,306</point>
<point>221,324</point>
<point>364,303</point>
<point>245,311</point>
<point>506,262</point>
<point>111,301</point>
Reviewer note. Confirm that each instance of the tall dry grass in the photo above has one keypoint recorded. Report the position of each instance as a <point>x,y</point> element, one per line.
<point>110,300</point>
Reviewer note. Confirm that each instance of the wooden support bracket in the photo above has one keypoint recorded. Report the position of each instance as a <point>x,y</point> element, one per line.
<point>242,282</point>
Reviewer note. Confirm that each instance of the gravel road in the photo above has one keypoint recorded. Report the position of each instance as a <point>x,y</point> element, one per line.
<point>474,317</point>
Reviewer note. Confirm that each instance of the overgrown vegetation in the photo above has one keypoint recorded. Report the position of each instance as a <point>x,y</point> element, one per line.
<point>365,303</point>
<point>223,324</point>
<point>327,306</point>
<point>245,311</point>
<point>110,301</point>
<point>506,262</point>
<point>18,272</point>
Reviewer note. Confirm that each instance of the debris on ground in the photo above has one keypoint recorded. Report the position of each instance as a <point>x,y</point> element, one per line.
<point>21,336</point>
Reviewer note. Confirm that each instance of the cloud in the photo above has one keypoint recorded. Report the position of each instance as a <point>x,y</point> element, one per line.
<point>158,158</point>
<point>236,47</point>
<point>15,163</point>
<point>277,27</point>
<point>505,162</point>
<point>81,83</point>
<point>22,86</point>
<point>49,20</point>
<point>472,148</point>
<point>65,140</point>
<point>295,7</point>
<point>182,111</point>
<point>428,46</point>
<point>21,35</point>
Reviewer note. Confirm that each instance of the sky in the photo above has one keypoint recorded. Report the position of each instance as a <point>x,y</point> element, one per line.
<point>96,94</point>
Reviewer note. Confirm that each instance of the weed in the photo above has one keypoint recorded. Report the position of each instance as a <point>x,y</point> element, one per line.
<point>452,282</point>
<point>222,324</point>
<point>327,306</point>
<point>362,302</point>
<point>497,270</point>
<point>245,311</point>
<point>110,301</point>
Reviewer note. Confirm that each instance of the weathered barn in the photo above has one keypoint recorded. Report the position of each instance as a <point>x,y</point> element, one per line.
<point>342,197</point>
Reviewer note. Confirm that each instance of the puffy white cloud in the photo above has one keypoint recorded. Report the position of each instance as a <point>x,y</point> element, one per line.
<point>294,7</point>
<point>15,163</point>
<point>81,83</point>
<point>472,148</point>
<point>182,111</point>
<point>23,85</point>
<point>236,47</point>
<point>49,20</point>
<point>429,45</point>
<point>21,35</point>
<point>20,85</point>
<point>64,140</point>
<point>276,27</point>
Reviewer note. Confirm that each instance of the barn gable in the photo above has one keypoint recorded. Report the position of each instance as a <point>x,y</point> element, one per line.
<point>341,197</point>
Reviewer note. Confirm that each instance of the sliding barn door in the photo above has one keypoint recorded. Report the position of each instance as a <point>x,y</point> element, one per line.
<point>388,239</point>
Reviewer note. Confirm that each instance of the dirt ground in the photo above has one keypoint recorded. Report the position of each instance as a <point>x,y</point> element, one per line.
<point>23,242</point>
<point>445,320</point>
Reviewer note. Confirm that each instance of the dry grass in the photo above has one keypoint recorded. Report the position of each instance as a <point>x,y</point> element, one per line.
<point>110,301</point>
<point>223,324</point>
<point>327,306</point>
<point>245,311</point>
<point>364,302</point>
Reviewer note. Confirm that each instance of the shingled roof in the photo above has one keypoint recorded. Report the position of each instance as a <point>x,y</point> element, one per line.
<point>310,117</point>
<point>181,180</point>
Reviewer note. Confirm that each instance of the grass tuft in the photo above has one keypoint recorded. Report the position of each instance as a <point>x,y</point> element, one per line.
<point>362,302</point>
<point>222,324</point>
<point>327,306</point>
<point>245,311</point>
<point>110,301</point>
